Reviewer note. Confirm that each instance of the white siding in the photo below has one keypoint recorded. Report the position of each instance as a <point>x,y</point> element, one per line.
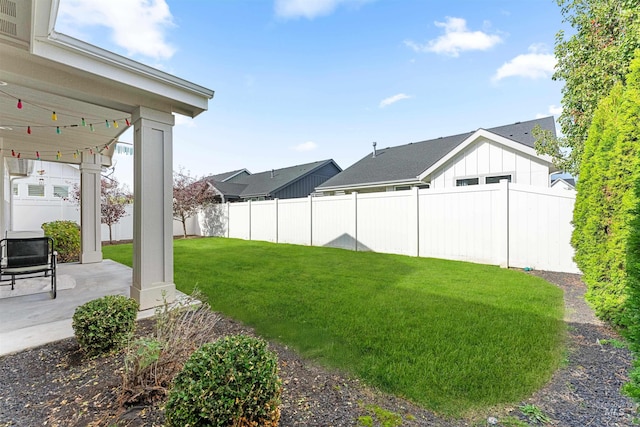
<point>485,157</point>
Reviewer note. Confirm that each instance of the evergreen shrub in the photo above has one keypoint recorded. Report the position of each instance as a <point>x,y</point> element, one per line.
<point>231,382</point>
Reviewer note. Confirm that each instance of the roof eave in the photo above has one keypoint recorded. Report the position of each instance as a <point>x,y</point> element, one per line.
<point>187,98</point>
<point>372,184</point>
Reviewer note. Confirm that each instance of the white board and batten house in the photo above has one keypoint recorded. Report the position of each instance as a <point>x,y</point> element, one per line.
<point>484,156</point>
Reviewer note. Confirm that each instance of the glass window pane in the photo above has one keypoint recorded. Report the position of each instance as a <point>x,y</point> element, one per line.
<point>36,190</point>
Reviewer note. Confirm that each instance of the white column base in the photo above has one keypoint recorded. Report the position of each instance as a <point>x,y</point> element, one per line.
<point>153,295</point>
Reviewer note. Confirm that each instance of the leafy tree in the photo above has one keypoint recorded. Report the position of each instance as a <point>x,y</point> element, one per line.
<point>606,201</point>
<point>590,63</point>
<point>189,196</point>
<point>113,201</point>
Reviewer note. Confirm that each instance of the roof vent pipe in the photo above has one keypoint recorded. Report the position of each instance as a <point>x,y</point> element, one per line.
<point>374,149</point>
<point>272,173</point>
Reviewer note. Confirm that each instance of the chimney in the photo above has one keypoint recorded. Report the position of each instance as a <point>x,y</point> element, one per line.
<point>272,173</point>
<point>374,149</point>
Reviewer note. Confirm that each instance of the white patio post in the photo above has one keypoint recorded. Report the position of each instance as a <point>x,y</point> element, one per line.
<point>90,231</point>
<point>152,208</point>
<point>5,194</point>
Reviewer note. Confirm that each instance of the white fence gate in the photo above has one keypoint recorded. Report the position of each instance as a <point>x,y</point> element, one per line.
<point>503,224</point>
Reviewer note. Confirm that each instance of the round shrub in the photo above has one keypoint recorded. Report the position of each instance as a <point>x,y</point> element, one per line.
<point>105,324</point>
<point>66,238</point>
<point>231,382</point>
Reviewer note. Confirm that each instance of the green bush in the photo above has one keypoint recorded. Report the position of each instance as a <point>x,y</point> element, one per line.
<point>606,200</point>
<point>66,238</point>
<point>105,324</point>
<point>231,382</point>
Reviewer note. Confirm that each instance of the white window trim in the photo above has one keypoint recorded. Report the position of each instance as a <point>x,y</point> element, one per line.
<point>482,178</point>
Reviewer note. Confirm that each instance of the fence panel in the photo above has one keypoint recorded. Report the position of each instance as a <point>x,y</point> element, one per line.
<point>501,224</point>
<point>462,224</point>
<point>334,222</point>
<point>387,222</point>
<point>239,220</point>
<point>294,221</point>
<point>263,221</point>
<point>540,229</point>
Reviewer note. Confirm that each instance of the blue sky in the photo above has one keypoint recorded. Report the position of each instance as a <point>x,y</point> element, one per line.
<point>297,81</point>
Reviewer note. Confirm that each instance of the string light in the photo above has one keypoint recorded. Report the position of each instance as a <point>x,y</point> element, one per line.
<point>19,104</point>
<point>91,127</point>
<point>75,155</point>
<point>37,155</point>
<point>58,131</point>
<point>127,122</point>
<point>106,122</point>
<point>115,124</point>
<point>29,130</point>
<point>54,116</point>
<point>58,155</point>
<point>13,153</point>
<point>83,122</point>
<point>18,155</point>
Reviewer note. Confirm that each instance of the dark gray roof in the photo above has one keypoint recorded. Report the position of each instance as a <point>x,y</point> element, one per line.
<point>406,162</point>
<point>263,183</point>
<point>570,181</point>
<point>230,189</point>
<point>221,177</point>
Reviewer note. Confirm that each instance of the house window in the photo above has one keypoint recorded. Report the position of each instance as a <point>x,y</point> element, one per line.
<point>36,190</point>
<point>403,187</point>
<point>61,191</point>
<point>15,189</point>
<point>467,181</point>
<point>497,179</point>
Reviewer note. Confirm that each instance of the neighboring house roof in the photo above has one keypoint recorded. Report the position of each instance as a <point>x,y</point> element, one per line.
<point>409,163</point>
<point>229,189</point>
<point>226,176</point>
<point>569,182</point>
<point>264,184</point>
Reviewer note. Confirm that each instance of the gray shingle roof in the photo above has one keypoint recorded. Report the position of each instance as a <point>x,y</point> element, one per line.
<point>263,184</point>
<point>221,177</point>
<point>406,162</point>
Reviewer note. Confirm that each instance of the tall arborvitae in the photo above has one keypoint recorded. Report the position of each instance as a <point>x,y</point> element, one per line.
<point>606,199</point>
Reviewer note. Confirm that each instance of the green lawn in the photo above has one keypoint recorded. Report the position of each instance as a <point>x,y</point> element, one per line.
<point>450,336</point>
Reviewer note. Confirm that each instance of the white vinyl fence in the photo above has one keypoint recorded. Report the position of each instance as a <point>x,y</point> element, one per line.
<point>502,224</point>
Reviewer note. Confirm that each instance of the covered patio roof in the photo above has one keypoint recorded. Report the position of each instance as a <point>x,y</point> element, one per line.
<point>62,99</point>
<point>51,72</point>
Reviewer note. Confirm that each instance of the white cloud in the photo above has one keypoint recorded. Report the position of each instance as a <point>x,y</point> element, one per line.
<point>456,38</point>
<point>533,65</point>
<point>305,146</point>
<point>139,26</point>
<point>553,110</point>
<point>310,9</point>
<point>393,99</point>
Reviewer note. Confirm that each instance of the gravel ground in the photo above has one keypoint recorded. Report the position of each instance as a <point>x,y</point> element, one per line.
<point>54,385</point>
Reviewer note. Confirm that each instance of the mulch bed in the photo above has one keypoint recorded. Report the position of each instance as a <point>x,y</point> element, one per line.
<point>55,385</point>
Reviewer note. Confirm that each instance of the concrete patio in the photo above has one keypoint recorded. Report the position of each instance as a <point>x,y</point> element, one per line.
<point>34,319</point>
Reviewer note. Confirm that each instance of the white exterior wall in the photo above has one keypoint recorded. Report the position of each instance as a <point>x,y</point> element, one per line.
<point>485,157</point>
